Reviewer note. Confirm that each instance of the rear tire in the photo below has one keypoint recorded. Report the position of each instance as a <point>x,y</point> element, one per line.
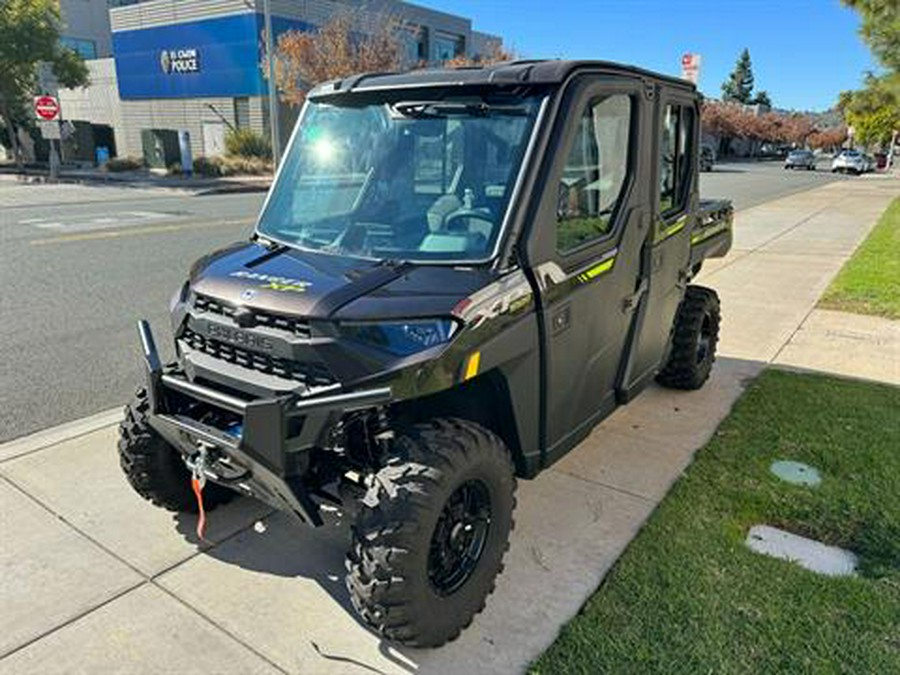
<point>155,469</point>
<point>694,341</point>
<point>431,533</point>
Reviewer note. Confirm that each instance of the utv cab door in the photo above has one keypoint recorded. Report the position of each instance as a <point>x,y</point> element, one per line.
<point>583,247</point>
<point>667,255</point>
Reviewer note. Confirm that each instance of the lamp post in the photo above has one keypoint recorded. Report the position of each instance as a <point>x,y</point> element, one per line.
<point>273,90</point>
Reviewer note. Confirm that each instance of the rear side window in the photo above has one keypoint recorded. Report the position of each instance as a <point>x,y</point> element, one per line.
<point>675,166</point>
<point>593,179</point>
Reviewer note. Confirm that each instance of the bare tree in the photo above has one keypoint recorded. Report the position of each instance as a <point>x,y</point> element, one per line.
<point>337,49</point>
<point>496,55</point>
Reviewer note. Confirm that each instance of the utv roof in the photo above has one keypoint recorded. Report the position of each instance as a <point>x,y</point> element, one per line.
<point>508,73</point>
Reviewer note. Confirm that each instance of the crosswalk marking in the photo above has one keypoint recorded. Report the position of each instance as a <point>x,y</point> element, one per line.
<point>87,223</point>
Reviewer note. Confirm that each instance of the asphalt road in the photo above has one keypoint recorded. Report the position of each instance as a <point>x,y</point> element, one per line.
<point>747,184</point>
<point>80,265</point>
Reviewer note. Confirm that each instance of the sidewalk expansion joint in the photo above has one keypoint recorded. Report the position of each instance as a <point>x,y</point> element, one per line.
<point>73,619</point>
<point>145,578</point>
<point>220,627</point>
<point>614,488</point>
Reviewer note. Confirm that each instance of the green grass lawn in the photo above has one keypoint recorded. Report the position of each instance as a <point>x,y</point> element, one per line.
<point>870,281</point>
<point>688,596</point>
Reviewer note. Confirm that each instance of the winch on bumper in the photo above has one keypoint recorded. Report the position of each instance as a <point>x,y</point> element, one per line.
<point>264,444</point>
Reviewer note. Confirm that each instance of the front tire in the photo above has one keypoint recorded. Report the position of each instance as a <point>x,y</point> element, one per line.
<point>155,469</point>
<point>431,533</point>
<point>696,335</point>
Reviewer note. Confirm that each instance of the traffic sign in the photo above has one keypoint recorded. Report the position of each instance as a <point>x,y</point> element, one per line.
<point>46,108</point>
<point>690,67</point>
<point>50,129</point>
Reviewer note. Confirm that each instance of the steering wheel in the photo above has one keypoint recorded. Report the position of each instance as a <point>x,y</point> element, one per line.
<point>450,218</point>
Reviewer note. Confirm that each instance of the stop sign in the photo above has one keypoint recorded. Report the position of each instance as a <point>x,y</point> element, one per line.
<point>46,107</point>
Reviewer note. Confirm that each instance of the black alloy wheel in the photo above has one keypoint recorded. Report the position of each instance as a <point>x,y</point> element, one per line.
<point>459,537</point>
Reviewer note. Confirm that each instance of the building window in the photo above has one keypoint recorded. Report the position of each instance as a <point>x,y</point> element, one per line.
<point>447,46</point>
<point>86,49</point>
<point>415,42</point>
<point>242,112</point>
<point>593,179</point>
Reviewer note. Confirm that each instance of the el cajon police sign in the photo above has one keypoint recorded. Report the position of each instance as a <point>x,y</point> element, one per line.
<point>215,57</point>
<point>179,61</point>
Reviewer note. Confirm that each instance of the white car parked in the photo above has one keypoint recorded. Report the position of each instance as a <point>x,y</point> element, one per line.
<point>851,161</point>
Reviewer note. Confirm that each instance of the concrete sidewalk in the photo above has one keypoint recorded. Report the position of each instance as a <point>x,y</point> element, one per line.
<point>139,180</point>
<point>96,580</point>
<point>846,344</point>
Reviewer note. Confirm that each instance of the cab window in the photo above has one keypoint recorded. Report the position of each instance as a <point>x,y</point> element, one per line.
<point>676,146</point>
<point>593,179</point>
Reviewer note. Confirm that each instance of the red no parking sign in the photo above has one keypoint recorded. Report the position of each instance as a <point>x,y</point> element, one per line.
<point>46,108</point>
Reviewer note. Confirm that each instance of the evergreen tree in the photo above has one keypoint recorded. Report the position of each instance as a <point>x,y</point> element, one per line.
<point>762,98</point>
<point>739,85</point>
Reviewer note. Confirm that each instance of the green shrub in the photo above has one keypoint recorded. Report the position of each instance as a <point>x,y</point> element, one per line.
<point>208,166</point>
<point>124,164</point>
<point>245,166</point>
<point>247,143</point>
<point>231,166</point>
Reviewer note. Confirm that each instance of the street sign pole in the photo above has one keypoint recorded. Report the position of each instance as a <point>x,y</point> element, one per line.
<point>273,90</point>
<point>46,109</point>
<point>54,160</point>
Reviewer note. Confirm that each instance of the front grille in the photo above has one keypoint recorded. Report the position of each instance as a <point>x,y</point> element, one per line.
<point>310,374</point>
<point>298,327</point>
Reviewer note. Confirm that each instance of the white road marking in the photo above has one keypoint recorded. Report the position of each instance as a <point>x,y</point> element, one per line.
<point>87,223</point>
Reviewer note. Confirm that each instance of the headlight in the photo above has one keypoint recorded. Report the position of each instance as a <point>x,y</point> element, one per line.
<point>402,338</point>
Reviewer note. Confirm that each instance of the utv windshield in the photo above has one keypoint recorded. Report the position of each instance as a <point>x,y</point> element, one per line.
<point>417,180</point>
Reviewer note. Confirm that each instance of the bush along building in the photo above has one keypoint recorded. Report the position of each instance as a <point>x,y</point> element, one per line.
<point>194,67</point>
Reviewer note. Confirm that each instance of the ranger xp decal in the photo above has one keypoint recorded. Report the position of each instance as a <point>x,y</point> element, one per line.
<point>274,283</point>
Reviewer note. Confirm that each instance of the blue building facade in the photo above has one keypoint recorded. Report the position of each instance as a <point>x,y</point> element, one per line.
<point>214,57</point>
<point>196,65</point>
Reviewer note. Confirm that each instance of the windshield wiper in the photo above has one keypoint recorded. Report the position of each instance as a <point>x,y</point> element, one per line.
<point>449,108</point>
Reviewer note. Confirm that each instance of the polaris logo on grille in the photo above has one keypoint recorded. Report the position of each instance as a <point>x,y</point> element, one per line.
<point>239,338</point>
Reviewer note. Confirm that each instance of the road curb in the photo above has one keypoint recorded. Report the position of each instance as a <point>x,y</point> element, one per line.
<point>245,188</point>
<point>59,434</point>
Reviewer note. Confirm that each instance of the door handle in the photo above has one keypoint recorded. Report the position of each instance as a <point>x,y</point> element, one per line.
<point>630,302</point>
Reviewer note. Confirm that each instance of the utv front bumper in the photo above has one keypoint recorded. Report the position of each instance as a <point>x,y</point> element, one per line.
<point>267,441</point>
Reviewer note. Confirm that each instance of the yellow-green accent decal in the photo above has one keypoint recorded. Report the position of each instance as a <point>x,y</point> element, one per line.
<point>703,235</point>
<point>673,229</point>
<point>596,270</point>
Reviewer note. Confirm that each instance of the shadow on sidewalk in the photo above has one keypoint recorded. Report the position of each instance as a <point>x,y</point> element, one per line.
<point>569,531</point>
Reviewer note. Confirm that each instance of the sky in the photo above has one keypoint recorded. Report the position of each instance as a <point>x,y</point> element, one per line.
<point>804,52</point>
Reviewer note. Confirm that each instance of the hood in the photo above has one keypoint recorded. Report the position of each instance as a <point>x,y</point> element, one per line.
<point>291,282</point>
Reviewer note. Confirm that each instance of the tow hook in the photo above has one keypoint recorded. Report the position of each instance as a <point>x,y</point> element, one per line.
<point>198,465</point>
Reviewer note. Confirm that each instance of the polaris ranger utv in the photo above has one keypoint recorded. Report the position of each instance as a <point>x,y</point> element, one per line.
<point>455,276</point>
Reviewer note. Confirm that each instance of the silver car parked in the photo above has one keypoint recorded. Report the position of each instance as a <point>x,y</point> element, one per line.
<point>851,161</point>
<point>800,159</point>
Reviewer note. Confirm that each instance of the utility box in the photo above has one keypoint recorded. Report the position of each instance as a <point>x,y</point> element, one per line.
<point>160,148</point>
